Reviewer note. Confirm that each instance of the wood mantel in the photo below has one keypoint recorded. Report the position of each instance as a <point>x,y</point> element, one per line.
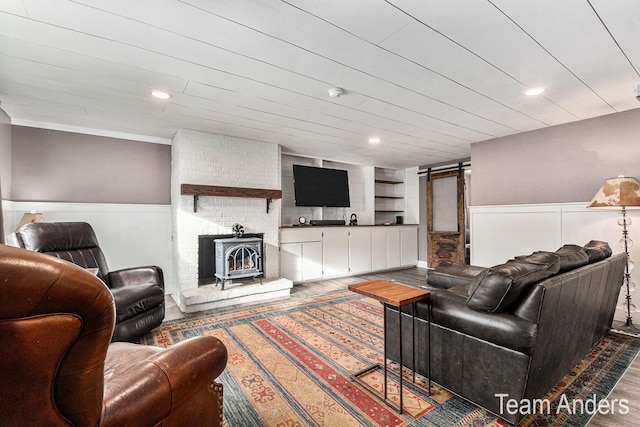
<point>196,190</point>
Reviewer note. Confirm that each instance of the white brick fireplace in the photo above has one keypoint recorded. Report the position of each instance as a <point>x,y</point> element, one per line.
<point>207,159</point>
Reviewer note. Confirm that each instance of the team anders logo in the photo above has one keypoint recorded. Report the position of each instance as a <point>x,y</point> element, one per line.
<point>591,406</point>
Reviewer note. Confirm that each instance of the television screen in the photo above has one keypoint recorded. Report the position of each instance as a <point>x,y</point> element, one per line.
<point>323,187</point>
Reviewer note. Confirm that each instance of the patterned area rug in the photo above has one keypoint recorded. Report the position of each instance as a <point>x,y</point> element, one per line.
<point>290,361</point>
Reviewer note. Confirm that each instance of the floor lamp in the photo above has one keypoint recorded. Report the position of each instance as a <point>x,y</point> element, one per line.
<point>622,193</point>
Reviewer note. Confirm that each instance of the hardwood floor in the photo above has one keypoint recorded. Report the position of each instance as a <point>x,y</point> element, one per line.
<point>628,387</point>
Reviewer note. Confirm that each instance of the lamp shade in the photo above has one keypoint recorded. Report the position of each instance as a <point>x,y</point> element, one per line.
<point>32,216</point>
<point>617,193</point>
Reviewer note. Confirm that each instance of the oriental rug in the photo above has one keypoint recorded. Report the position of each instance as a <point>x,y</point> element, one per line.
<point>290,363</point>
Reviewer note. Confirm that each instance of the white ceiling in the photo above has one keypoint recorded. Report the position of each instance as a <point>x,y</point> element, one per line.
<point>428,77</point>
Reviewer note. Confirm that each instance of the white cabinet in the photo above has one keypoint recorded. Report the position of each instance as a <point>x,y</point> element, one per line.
<point>360,250</point>
<point>393,247</point>
<point>311,260</point>
<point>335,251</point>
<point>301,261</point>
<point>385,252</point>
<point>309,253</point>
<point>301,254</point>
<point>379,259</point>
<point>408,246</point>
<point>291,261</point>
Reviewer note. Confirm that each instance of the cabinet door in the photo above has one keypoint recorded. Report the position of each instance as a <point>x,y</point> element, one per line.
<point>359,250</point>
<point>393,246</point>
<point>311,260</point>
<point>409,245</point>
<point>379,259</point>
<point>335,251</point>
<point>291,261</point>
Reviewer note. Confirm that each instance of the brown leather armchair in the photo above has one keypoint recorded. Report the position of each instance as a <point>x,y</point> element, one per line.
<point>58,368</point>
<point>138,292</point>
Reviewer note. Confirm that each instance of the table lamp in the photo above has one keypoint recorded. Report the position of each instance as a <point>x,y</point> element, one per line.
<point>31,216</point>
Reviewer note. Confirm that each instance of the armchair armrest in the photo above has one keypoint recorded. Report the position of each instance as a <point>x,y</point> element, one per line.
<point>136,276</point>
<point>153,388</point>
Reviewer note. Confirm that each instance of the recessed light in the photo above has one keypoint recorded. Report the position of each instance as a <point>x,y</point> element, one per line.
<point>374,140</point>
<point>160,94</point>
<point>534,91</point>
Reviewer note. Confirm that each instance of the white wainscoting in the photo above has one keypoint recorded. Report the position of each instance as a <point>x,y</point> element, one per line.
<point>129,235</point>
<point>499,233</point>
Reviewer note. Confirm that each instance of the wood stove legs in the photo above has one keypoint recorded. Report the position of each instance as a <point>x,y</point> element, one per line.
<point>223,280</point>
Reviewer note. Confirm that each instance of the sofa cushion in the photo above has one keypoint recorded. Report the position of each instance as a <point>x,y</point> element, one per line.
<point>450,310</point>
<point>597,250</point>
<point>571,257</point>
<point>547,260</point>
<point>445,277</point>
<point>501,285</point>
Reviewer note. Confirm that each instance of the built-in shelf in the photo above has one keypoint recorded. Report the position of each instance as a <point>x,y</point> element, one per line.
<point>197,190</point>
<point>389,195</point>
<point>386,181</point>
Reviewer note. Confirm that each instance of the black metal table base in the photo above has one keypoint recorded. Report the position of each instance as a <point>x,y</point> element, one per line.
<point>383,396</point>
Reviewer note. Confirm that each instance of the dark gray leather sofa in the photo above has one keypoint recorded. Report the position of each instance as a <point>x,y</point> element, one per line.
<point>514,329</point>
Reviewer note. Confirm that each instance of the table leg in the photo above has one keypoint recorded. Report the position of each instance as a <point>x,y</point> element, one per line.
<point>400,353</point>
<point>429,345</point>
<point>384,356</point>
<point>413,339</point>
<point>384,396</point>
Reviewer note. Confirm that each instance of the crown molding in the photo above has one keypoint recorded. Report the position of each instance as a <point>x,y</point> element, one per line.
<point>90,131</point>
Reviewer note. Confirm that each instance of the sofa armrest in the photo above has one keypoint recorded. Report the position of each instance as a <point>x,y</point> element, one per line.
<point>445,277</point>
<point>148,391</point>
<point>136,276</point>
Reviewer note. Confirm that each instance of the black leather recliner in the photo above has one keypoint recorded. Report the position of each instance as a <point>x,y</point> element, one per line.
<point>138,292</point>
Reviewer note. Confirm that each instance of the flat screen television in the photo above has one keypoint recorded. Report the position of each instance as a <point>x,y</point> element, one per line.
<point>323,187</point>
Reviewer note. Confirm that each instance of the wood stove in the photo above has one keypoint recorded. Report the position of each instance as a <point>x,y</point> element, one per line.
<point>238,257</point>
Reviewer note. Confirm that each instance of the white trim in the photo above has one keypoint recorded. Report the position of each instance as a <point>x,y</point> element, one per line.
<point>531,207</point>
<point>90,131</point>
<point>85,207</point>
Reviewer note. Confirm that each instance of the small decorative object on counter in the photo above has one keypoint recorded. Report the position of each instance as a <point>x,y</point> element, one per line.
<point>238,230</point>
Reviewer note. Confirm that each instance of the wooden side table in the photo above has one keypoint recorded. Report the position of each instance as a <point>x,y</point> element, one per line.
<point>396,295</point>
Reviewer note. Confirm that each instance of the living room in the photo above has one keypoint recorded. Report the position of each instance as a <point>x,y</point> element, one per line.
<point>535,162</point>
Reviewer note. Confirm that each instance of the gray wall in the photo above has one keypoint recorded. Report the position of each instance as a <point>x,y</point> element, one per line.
<point>56,166</point>
<point>5,164</point>
<point>5,156</point>
<point>567,163</point>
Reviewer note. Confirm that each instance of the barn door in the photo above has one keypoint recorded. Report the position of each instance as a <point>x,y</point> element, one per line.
<point>445,218</point>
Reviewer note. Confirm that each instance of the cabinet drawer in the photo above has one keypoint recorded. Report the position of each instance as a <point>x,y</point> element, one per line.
<point>300,234</point>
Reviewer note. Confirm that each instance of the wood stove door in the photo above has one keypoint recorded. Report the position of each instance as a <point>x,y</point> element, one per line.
<point>242,260</point>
